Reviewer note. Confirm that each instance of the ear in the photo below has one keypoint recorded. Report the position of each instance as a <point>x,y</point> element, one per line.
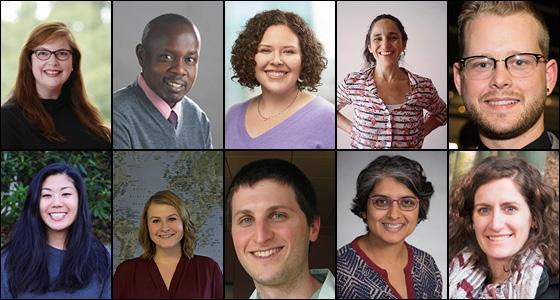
<point>551,75</point>
<point>140,55</point>
<point>314,229</point>
<point>457,77</point>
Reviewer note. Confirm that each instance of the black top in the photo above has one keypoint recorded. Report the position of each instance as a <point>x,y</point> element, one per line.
<point>17,133</point>
<point>541,143</point>
<point>548,285</point>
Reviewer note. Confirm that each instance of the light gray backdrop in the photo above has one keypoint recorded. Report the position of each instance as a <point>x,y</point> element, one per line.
<point>430,235</point>
<point>130,18</point>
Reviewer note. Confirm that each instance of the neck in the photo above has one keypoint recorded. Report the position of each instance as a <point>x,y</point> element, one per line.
<point>57,239</point>
<point>386,254</point>
<point>168,254</point>
<point>271,101</point>
<point>301,287</point>
<point>517,142</point>
<point>45,93</point>
<point>497,268</point>
<point>387,73</point>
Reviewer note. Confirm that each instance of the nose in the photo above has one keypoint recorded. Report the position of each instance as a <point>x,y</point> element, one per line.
<point>164,226</point>
<point>277,59</point>
<point>497,222</point>
<point>263,232</point>
<point>394,211</point>
<point>501,78</point>
<point>179,66</point>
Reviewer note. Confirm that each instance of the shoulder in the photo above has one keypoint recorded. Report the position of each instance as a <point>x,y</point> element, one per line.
<point>10,109</point>
<point>130,265</point>
<point>423,258</point>
<point>123,98</point>
<point>345,251</point>
<point>204,260</point>
<point>322,105</point>
<point>191,107</point>
<point>236,111</point>
<point>358,76</point>
<point>420,80</point>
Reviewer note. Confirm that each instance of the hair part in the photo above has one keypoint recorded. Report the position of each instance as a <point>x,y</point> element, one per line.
<point>243,52</point>
<point>541,199</point>
<point>281,172</point>
<point>368,56</point>
<point>474,9</point>
<point>85,256</point>
<point>188,242</point>
<point>25,95</point>
<point>404,170</point>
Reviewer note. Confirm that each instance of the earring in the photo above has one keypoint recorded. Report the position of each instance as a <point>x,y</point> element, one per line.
<point>299,80</point>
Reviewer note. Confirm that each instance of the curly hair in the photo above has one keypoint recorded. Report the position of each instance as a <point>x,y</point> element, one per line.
<point>368,57</point>
<point>188,242</point>
<point>541,199</point>
<point>245,48</point>
<point>404,170</point>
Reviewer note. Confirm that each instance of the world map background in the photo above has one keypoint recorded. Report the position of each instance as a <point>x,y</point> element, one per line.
<point>195,176</point>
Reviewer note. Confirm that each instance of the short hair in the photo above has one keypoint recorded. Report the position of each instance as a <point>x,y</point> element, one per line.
<point>404,170</point>
<point>473,9</point>
<point>188,242</point>
<point>27,257</point>
<point>281,172</point>
<point>164,19</point>
<point>541,199</point>
<point>368,56</point>
<point>245,48</point>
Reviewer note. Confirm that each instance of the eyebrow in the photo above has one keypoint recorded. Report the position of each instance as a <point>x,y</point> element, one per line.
<point>268,210</point>
<point>49,189</point>
<point>266,45</point>
<point>390,33</point>
<point>501,204</point>
<point>174,52</point>
<point>157,217</point>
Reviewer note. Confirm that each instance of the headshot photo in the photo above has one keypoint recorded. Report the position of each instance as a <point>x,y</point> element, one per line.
<point>391,78</point>
<point>167,75</point>
<point>391,236</point>
<point>503,225</point>
<point>505,94</point>
<point>279,218</point>
<point>56,212</point>
<point>168,225</point>
<point>55,92</point>
<point>279,75</point>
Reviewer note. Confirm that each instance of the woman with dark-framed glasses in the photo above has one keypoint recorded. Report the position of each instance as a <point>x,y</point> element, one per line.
<point>48,107</point>
<point>393,196</point>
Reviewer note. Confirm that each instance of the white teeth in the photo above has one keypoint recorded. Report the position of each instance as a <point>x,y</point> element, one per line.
<point>386,52</point>
<point>53,72</point>
<point>276,74</point>
<point>502,102</point>
<point>499,238</point>
<point>165,236</point>
<point>57,216</point>
<point>174,84</point>
<point>393,226</point>
<point>266,253</point>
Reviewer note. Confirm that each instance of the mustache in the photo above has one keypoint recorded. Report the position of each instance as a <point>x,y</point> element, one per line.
<point>500,95</point>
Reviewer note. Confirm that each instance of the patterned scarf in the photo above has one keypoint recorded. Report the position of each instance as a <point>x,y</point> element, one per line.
<point>466,281</point>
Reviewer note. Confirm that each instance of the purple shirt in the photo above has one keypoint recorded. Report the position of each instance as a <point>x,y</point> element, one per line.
<point>311,127</point>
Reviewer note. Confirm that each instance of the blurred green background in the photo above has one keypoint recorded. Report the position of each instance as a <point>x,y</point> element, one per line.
<point>90,23</point>
<point>19,167</point>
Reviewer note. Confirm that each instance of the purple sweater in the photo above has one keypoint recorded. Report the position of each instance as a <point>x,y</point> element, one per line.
<point>311,127</point>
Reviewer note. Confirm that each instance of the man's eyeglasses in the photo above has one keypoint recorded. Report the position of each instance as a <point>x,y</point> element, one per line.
<point>482,67</point>
<point>384,203</point>
<point>60,54</point>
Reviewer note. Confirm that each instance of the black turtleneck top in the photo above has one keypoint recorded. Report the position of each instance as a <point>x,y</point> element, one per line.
<point>17,133</point>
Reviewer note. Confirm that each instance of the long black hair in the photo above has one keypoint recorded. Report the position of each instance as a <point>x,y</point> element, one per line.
<point>27,250</point>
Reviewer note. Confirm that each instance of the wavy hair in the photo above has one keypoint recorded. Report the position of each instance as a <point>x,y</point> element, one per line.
<point>25,95</point>
<point>27,249</point>
<point>245,48</point>
<point>188,242</point>
<point>541,199</point>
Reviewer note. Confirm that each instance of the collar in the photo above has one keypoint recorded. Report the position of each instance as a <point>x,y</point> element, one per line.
<point>156,100</point>
<point>327,289</point>
<point>542,142</point>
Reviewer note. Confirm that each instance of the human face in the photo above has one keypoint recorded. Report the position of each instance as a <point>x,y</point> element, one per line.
<point>165,226</point>
<point>52,73</point>
<point>270,232</point>
<point>169,60</point>
<point>386,43</point>
<point>503,106</point>
<point>391,226</point>
<point>278,60</point>
<point>501,219</point>
<point>59,203</point>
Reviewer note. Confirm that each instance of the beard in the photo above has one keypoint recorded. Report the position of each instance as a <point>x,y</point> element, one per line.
<point>525,121</point>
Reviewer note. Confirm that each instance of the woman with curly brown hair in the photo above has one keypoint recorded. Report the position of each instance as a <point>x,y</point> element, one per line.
<point>168,268</point>
<point>49,108</point>
<point>503,233</point>
<point>278,52</point>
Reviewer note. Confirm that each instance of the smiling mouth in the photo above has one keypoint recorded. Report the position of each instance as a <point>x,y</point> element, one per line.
<point>385,52</point>
<point>501,102</point>
<point>276,74</point>
<point>58,216</point>
<point>499,238</point>
<point>393,226</point>
<point>266,253</point>
<point>175,85</point>
<point>166,236</point>
<point>52,73</point>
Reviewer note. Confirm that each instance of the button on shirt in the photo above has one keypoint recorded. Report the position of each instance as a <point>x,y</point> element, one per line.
<point>377,126</point>
<point>159,103</point>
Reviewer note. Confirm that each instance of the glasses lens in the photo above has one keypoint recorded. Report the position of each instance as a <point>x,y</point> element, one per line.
<point>479,67</point>
<point>381,202</point>
<point>42,54</point>
<point>407,203</point>
<point>62,54</point>
<point>521,65</point>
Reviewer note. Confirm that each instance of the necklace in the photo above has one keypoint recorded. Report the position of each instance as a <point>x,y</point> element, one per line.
<point>273,116</point>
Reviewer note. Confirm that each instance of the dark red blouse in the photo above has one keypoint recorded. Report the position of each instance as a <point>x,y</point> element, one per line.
<point>199,277</point>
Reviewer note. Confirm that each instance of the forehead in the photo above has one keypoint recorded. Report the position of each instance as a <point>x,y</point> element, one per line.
<point>389,186</point>
<point>282,34</point>
<point>263,195</point>
<point>173,37</point>
<point>497,191</point>
<point>489,34</point>
<point>57,180</point>
<point>55,44</point>
<point>159,210</point>
<point>385,26</point>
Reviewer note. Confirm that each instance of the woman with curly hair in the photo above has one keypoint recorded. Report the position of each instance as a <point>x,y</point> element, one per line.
<point>278,52</point>
<point>392,198</point>
<point>503,233</point>
<point>168,268</point>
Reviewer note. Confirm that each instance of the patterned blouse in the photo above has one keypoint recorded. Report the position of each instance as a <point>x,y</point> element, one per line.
<point>374,125</point>
<point>357,277</point>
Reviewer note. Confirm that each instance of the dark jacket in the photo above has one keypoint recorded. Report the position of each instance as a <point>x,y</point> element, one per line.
<point>548,285</point>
